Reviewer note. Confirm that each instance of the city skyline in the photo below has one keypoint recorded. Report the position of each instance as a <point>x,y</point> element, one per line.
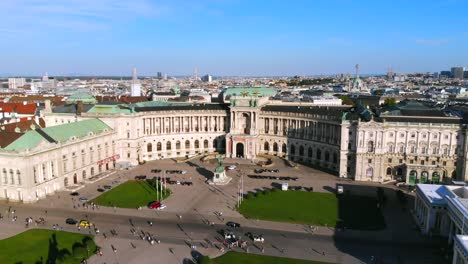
<point>231,38</point>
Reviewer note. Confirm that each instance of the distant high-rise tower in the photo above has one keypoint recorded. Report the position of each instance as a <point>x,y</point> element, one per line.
<point>135,86</point>
<point>357,70</point>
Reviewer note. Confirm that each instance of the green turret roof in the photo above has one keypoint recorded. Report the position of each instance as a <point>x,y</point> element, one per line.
<point>84,97</point>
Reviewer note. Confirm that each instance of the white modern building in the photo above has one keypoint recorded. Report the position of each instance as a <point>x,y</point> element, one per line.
<point>15,83</point>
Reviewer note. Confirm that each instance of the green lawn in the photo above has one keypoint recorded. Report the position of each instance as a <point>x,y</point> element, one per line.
<point>233,257</point>
<point>46,246</point>
<point>314,208</point>
<point>131,194</point>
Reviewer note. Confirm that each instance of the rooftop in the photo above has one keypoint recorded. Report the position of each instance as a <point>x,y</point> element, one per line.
<point>436,194</point>
<point>249,91</point>
<point>58,134</point>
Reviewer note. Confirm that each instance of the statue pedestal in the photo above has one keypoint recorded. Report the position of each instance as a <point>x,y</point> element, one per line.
<point>220,177</point>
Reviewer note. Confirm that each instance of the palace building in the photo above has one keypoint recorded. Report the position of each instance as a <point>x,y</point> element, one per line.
<point>408,142</point>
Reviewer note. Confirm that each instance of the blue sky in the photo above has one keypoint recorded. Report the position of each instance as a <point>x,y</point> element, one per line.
<point>231,37</point>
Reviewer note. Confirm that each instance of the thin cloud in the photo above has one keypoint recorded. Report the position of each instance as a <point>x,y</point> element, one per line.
<point>432,42</point>
<point>74,15</point>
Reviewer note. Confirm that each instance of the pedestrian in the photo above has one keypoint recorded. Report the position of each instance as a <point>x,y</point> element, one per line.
<point>323,253</point>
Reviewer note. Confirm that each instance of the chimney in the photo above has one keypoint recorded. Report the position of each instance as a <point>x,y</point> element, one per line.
<point>79,107</point>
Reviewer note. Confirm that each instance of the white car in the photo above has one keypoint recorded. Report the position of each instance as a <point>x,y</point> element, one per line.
<point>258,239</point>
<point>161,207</point>
<point>229,235</point>
<point>340,189</point>
<point>183,172</point>
<point>232,167</point>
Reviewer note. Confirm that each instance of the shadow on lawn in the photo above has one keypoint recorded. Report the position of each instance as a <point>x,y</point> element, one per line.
<point>374,227</point>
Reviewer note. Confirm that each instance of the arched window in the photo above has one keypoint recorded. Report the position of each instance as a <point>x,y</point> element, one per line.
<point>370,146</point>
<point>215,143</point>
<point>158,146</point>
<point>12,177</point>
<point>205,144</point>
<point>284,148</point>
<point>149,147</point>
<point>65,182</point>
<point>335,158</point>
<point>266,146</point>
<point>401,148</point>
<point>318,154</point>
<point>309,152</point>
<point>292,150</point>
<point>413,149</point>
<point>399,171</point>
<point>369,172</point>
<point>424,150</point>
<point>18,176</point>
<point>5,176</point>
<point>168,145</point>
<point>391,148</point>
<point>177,144</point>
<point>83,174</point>
<point>197,144</point>
<point>301,151</point>
<point>275,147</point>
<point>187,144</point>
<point>389,171</point>
<point>92,171</point>
<point>327,156</point>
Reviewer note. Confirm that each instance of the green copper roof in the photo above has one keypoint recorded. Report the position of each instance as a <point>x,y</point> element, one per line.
<point>57,134</point>
<point>250,91</point>
<point>109,109</point>
<point>152,103</point>
<point>84,97</point>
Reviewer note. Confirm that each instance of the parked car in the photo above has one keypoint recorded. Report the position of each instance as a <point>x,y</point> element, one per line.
<point>107,187</point>
<point>71,221</point>
<point>161,207</point>
<point>156,171</point>
<point>154,205</point>
<point>228,234</point>
<point>183,172</point>
<point>85,223</point>
<point>231,167</point>
<point>101,190</point>
<point>74,193</point>
<point>83,199</point>
<point>140,177</point>
<point>340,189</point>
<point>233,224</point>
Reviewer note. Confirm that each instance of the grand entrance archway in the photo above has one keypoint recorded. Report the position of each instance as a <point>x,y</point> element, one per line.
<point>239,150</point>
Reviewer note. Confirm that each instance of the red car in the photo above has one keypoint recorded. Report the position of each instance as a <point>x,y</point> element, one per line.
<point>154,205</point>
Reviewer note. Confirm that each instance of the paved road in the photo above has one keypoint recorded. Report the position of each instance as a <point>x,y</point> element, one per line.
<point>191,228</point>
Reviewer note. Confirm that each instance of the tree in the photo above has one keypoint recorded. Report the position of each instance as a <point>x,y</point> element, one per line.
<point>390,102</point>
<point>346,100</point>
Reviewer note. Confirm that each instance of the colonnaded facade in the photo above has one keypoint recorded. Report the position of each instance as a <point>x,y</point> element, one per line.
<point>396,144</point>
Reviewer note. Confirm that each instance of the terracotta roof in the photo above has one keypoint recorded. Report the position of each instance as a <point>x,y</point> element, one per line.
<point>6,138</point>
<point>19,108</point>
<point>23,125</point>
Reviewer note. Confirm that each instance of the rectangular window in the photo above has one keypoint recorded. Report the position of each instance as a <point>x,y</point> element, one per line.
<point>433,162</point>
<point>369,161</point>
<point>422,162</point>
<point>389,160</point>
<point>411,161</point>
<point>444,163</point>
<point>128,155</point>
<point>400,161</point>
